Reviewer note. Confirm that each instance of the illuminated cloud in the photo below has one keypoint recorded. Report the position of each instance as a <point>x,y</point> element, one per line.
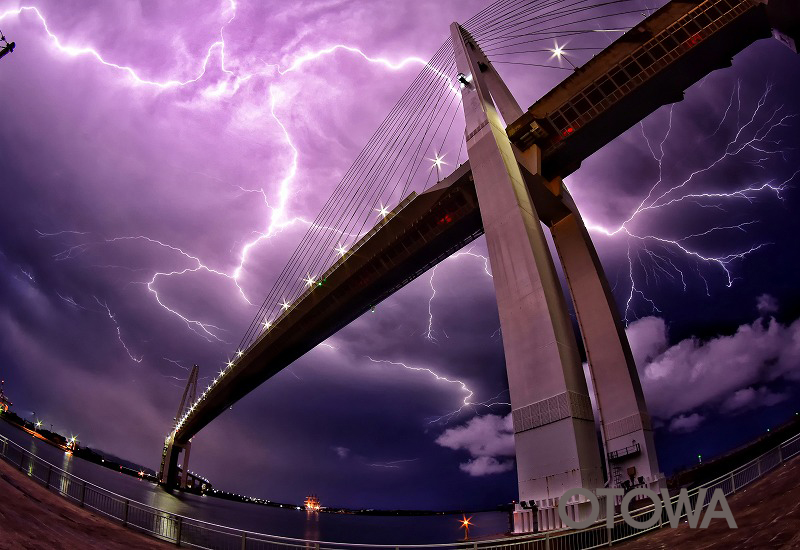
<point>489,440</point>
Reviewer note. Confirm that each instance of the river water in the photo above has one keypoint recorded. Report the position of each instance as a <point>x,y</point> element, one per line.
<point>267,519</point>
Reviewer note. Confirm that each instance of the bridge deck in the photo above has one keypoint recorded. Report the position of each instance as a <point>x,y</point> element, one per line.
<point>649,66</point>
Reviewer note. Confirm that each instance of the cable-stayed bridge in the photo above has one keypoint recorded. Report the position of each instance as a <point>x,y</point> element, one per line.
<point>386,224</point>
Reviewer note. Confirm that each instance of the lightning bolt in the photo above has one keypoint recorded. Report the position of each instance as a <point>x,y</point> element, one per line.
<point>176,363</point>
<point>755,135</point>
<point>393,463</point>
<point>104,305</point>
<point>73,51</point>
<point>429,333</point>
<point>467,400</point>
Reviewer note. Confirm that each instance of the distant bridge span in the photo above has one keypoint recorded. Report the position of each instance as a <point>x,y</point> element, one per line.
<point>649,66</point>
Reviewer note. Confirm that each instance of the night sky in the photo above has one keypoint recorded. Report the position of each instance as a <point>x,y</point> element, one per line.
<point>135,167</point>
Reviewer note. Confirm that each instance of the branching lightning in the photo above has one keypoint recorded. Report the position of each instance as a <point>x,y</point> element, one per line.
<point>756,134</point>
<point>111,316</point>
<point>279,218</point>
<point>466,402</point>
<point>429,333</point>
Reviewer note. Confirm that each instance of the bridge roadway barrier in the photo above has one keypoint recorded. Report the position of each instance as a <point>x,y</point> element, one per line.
<point>193,533</point>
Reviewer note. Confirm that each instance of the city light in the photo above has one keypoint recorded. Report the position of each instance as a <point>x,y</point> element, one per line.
<point>382,211</point>
<point>309,280</point>
<point>285,305</point>
<point>341,250</point>
<point>267,325</point>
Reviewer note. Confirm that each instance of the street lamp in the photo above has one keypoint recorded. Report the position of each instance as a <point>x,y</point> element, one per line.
<point>465,523</point>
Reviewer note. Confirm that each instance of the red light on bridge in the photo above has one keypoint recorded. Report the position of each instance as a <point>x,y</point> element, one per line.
<point>568,131</point>
<point>446,219</point>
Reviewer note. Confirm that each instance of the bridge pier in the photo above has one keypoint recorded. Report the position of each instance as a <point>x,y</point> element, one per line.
<point>554,430</point>
<point>169,475</point>
<point>185,470</point>
<point>624,422</point>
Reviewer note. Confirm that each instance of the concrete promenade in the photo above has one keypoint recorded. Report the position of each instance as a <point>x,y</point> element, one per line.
<point>766,511</point>
<point>34,518</point>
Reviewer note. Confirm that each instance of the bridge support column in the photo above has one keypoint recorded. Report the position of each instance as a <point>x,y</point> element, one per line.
<point>625,424</point>
<point>185,473</point>
<point>168,476</point>
<point>556,447</point>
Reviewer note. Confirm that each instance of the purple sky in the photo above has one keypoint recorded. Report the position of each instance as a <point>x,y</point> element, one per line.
<point>135,173</point>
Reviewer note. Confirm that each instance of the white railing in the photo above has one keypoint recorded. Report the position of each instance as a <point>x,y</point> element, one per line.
<point>185,531</point>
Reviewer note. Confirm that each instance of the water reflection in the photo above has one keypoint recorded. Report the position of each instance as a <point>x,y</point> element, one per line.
<point>311,531</point>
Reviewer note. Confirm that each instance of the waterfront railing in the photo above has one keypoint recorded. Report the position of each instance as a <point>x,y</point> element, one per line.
<point>194,533</point>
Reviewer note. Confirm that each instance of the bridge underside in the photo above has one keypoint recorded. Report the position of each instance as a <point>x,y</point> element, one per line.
<point>648,67</point>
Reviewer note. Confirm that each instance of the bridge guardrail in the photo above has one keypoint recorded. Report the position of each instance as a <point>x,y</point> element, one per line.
<point>186,531</point>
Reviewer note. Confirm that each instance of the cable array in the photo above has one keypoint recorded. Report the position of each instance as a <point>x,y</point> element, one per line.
<point>520,32</point>
<point>390,165</point>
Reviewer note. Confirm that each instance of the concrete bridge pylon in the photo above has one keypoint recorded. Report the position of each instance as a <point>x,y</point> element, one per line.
<point>555,437</point>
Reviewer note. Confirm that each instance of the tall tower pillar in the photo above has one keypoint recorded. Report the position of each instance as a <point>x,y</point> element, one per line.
<point>556,447</point>
<point>624,422</point>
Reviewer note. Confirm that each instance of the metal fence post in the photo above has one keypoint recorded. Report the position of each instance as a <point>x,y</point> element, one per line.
<point>733,482</point>
<point>780,455</point>
<point>244,541</point>
<point>83,494</point>
<point>125,512</point>
<point>547,541</point>
<point>178,531</point>
<point>49,473</point>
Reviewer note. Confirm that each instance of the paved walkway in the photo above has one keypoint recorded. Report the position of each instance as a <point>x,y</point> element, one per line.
<point>31,517</point>
<point>767,513</point>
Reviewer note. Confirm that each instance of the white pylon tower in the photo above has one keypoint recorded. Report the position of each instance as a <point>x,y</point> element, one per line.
<point>556,444</point>
<point>171,450</point>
